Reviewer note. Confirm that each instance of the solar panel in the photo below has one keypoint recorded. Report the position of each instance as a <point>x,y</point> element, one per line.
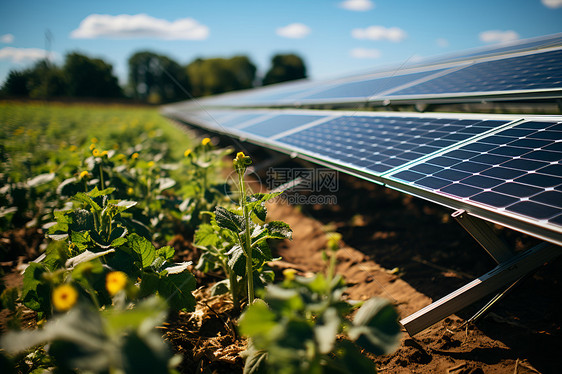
<point>380,143</point>
<point>538,71</point>
<point>361,90</point>
<point>280,123</point>
<point>503,48</point>
<point>516,171</point>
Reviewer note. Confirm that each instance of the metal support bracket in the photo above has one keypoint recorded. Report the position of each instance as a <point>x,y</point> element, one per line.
<point>511,267</point>
<point>482,232</point>
<point>505,273</point>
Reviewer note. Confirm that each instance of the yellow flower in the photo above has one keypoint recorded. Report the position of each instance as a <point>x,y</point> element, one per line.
<point>134,156</point>
<point>92,146</point>
<point>72,148</point>
<point>130,191</point>
<point>96,152</point>
<point>289,274</point>
<point>241,162</point>
<point>187,152</point>
<point>205,141</point>
<point>94,140</point>
<point>64,297</point>
<point>84,174</point>
<point>151,164</point>
<point>115,282</point>
<point>104,153</point>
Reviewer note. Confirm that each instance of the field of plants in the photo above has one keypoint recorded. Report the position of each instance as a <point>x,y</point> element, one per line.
<point>137,256</point>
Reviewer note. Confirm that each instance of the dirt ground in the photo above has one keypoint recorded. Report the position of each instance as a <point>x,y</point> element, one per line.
<point>400,248</point>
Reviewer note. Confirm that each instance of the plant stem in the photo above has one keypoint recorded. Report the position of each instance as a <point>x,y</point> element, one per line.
<point>101,178</point>
<point>247,244</point>
<point>234,290</point>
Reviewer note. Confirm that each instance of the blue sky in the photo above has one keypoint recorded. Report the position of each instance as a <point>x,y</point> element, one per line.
<point>334,37</point>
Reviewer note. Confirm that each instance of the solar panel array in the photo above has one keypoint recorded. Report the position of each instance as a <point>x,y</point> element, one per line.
<point>503,168</point>
<point>527,69</point>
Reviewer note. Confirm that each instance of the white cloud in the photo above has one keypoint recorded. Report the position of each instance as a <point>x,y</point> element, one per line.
<point>365,53</point>
<point>442,42</point>
<point>293,31</point>
<point>7,38</point>
<point>552,3</point>
<point>125,26</point>
<point>19,55</point>
<point>357,5</point>
<point>498,36</point>
<point>394,34</point>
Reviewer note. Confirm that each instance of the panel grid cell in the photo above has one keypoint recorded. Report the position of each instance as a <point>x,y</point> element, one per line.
<point>530,72</point>
<point>378,144</point>
<point>517,170</point>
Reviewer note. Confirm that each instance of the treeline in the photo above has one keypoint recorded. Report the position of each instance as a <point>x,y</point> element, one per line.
<point>153,78</point>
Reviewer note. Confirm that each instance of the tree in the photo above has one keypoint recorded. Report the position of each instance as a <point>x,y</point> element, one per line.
<point>157,78</point>
<point>16,84</point>
<point>285,67</point>
<point>217,75</point>
<point>90,77</point>
<point>42,80</point>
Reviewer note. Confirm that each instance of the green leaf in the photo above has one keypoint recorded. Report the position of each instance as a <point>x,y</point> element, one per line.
<point>40,179</point>
<point>279,230</point>
<point>376,327</point>
<point>166,252</point>
<point>144,248</point>
<point>237,260</point>
<point>260,211</point>
<point>86,256</point>
<point>97,193</point>
<point>165,183</point>
<point>326,330</point>
<point>262,252</point>
<point>220,288</point>
<point>87,200</point>
<point>176,289</point>
<point>255,361</point>
<point>229,220</point>
<point>262,197</point>
<point>258,319</point>
<point>118,242</point>
<point>349,360</point>
<point>81,239</point>
<point>256,203</point>
<point>81,326</point>
<point>8,298</point>
<point>36,292</point>
<point>148,312</point>
<point>206,236</point>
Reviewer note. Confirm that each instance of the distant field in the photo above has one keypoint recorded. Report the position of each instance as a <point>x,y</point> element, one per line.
<point>39,138</point>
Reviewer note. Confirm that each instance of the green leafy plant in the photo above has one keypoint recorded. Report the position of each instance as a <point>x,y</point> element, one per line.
<point>300,326</point>
<point>236,239</point>
<point>94,236</point>
<point>117,339</point>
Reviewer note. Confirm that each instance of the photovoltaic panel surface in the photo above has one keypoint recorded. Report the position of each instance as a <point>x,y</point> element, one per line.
<point>530,72</point>
<point>363,89</point>
<point>504,48</point>
<point>517,171</point>
<point>279,123</point>
<point>380,143</point>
